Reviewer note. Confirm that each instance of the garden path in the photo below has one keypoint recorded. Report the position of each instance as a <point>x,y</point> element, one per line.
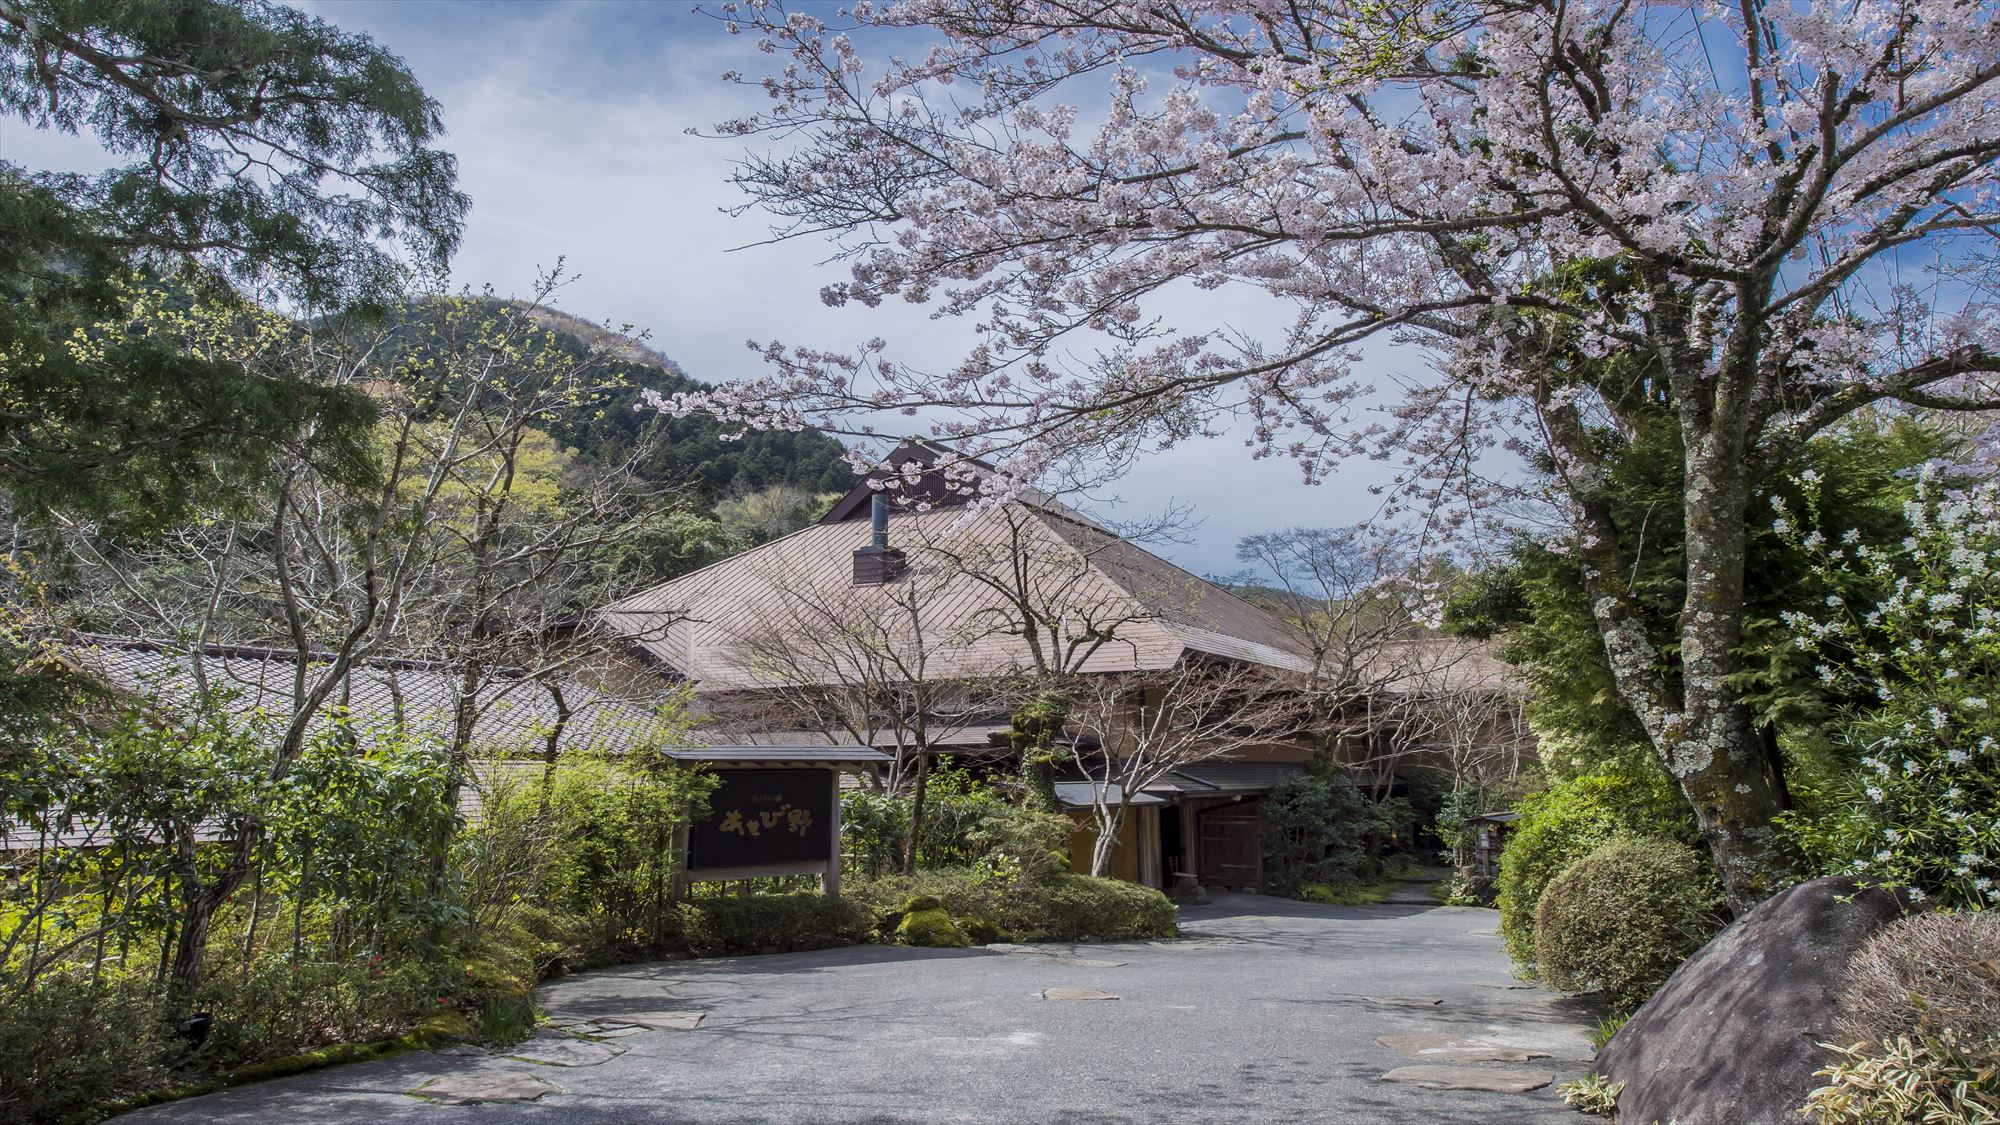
<point>1265,1010</point>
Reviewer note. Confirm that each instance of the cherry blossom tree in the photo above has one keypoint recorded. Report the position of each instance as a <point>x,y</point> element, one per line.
<point>1750,219</point>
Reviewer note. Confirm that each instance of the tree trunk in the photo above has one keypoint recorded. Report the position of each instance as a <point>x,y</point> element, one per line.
<point>917,791</point>
<point>1109,821</point>
<point>199,903</point>
<point>1715,752</point>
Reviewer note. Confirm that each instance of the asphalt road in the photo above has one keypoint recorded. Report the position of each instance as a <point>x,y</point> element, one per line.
<point>1265,1010</point>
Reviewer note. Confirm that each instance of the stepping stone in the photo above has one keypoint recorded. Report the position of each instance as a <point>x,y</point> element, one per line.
<point>566,1050</point>
<point>467,1089</point>
<point>1470,1078</point>
<point>1011,947</point>
<point>1402,1001</point>
<point>1087,963</point>
<point>655,1021</point>
<point>1451,1049</point>
<point>462,1051</point>
<point>1075,994</point>
<point>613,1031</point>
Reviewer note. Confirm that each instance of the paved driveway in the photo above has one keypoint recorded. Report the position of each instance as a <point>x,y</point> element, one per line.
<point>1266,1010</point>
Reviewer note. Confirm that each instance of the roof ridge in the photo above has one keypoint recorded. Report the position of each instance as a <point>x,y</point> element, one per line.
<point>1273,618</point>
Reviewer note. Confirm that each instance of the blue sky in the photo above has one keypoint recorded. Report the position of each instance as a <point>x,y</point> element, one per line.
<point>570,124</point>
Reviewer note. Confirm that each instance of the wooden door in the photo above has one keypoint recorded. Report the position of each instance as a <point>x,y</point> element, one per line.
<point>1230,849</point>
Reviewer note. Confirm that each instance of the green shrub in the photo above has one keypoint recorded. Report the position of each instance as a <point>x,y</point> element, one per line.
<point>272,1008</point>
<point>1063,907</point>
<point>1923,976</point>
<point>592,842</point>
<point>69,1046</point>
<point>1317,830</point>
<point>1621,919</point>
<point>781,923</point>
<point>1561,824</point>
<point>1086,908</point>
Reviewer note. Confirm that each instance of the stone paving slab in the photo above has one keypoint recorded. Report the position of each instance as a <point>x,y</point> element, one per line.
<point>475,1087</point>
<point>1400,1001</point>
<point>1076,994</point>
<point>1470,1078</point>
<point>1453,1049</point>
<point>559,1049</point>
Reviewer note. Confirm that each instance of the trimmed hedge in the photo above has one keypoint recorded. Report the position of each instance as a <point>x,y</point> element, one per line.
<point>780,923</point>
<point>1062,907</point>
<point>1560,825</point>
<point>1621,919</point>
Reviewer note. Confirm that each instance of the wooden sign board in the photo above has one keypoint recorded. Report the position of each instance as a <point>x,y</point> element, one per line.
<point>767,820</point>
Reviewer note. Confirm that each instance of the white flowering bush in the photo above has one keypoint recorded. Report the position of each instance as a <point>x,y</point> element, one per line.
<point>1926,814</point>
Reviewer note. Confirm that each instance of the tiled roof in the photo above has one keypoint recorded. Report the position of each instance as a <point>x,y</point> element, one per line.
<point>697,623</point>
<point>514,714</point>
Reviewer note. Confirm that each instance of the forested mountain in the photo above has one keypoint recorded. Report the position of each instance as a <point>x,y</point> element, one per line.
<point>690,449</point>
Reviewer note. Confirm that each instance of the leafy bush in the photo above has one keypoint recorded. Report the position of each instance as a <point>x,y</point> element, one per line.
<point>966,823</point>
<point>1561,824</point>
<point>69,1046</point>
<point>871,831</point>
<point>1908,1082</point>
<point>768,923</point>
<point>592,842</point>
<point>1064,907</point>
<point>1316,830</point>
<point>1621,919</point>
<point>1918,643</point>
<point>1086,908</point>
<point>1924,976</point>
<point>273,1009</point>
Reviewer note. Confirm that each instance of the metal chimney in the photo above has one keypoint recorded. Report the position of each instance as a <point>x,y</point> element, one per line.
<point>878,521</point>
<point>877,562</point>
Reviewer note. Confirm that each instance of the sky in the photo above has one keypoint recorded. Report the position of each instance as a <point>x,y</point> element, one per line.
<point>570,123</point>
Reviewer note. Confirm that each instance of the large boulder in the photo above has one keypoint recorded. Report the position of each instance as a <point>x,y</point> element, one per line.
<point>1733,1037</point>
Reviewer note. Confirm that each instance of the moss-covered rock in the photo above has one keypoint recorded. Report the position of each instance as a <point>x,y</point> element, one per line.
<point>981,930</point>
<point>931,927</point>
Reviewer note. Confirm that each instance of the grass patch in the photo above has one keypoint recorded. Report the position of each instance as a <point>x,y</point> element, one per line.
<point>430,1035</point>
<point>1352,895</point>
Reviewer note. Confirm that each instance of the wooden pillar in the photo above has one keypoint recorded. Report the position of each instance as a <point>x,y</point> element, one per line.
<point>830,881</point>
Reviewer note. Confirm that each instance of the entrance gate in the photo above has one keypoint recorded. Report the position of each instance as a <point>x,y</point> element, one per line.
<point>1230,851</point>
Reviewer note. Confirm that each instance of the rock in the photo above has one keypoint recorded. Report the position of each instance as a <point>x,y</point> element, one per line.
<point>1732,1037</point>
<point>1075,994</point>
<point>1470,1078</point>
<point>1087,963</point>
<point>1402,1001</point>
<point>466,1089</point>
<point>1011,947</point>
<point>1450,1049</point>
<point>557,1049</point>
<point>931,927</point>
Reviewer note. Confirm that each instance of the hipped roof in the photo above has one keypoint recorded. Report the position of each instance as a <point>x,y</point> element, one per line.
<point>698,623</point>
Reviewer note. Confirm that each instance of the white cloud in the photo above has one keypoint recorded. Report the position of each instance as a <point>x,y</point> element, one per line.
<point>570,125</point>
